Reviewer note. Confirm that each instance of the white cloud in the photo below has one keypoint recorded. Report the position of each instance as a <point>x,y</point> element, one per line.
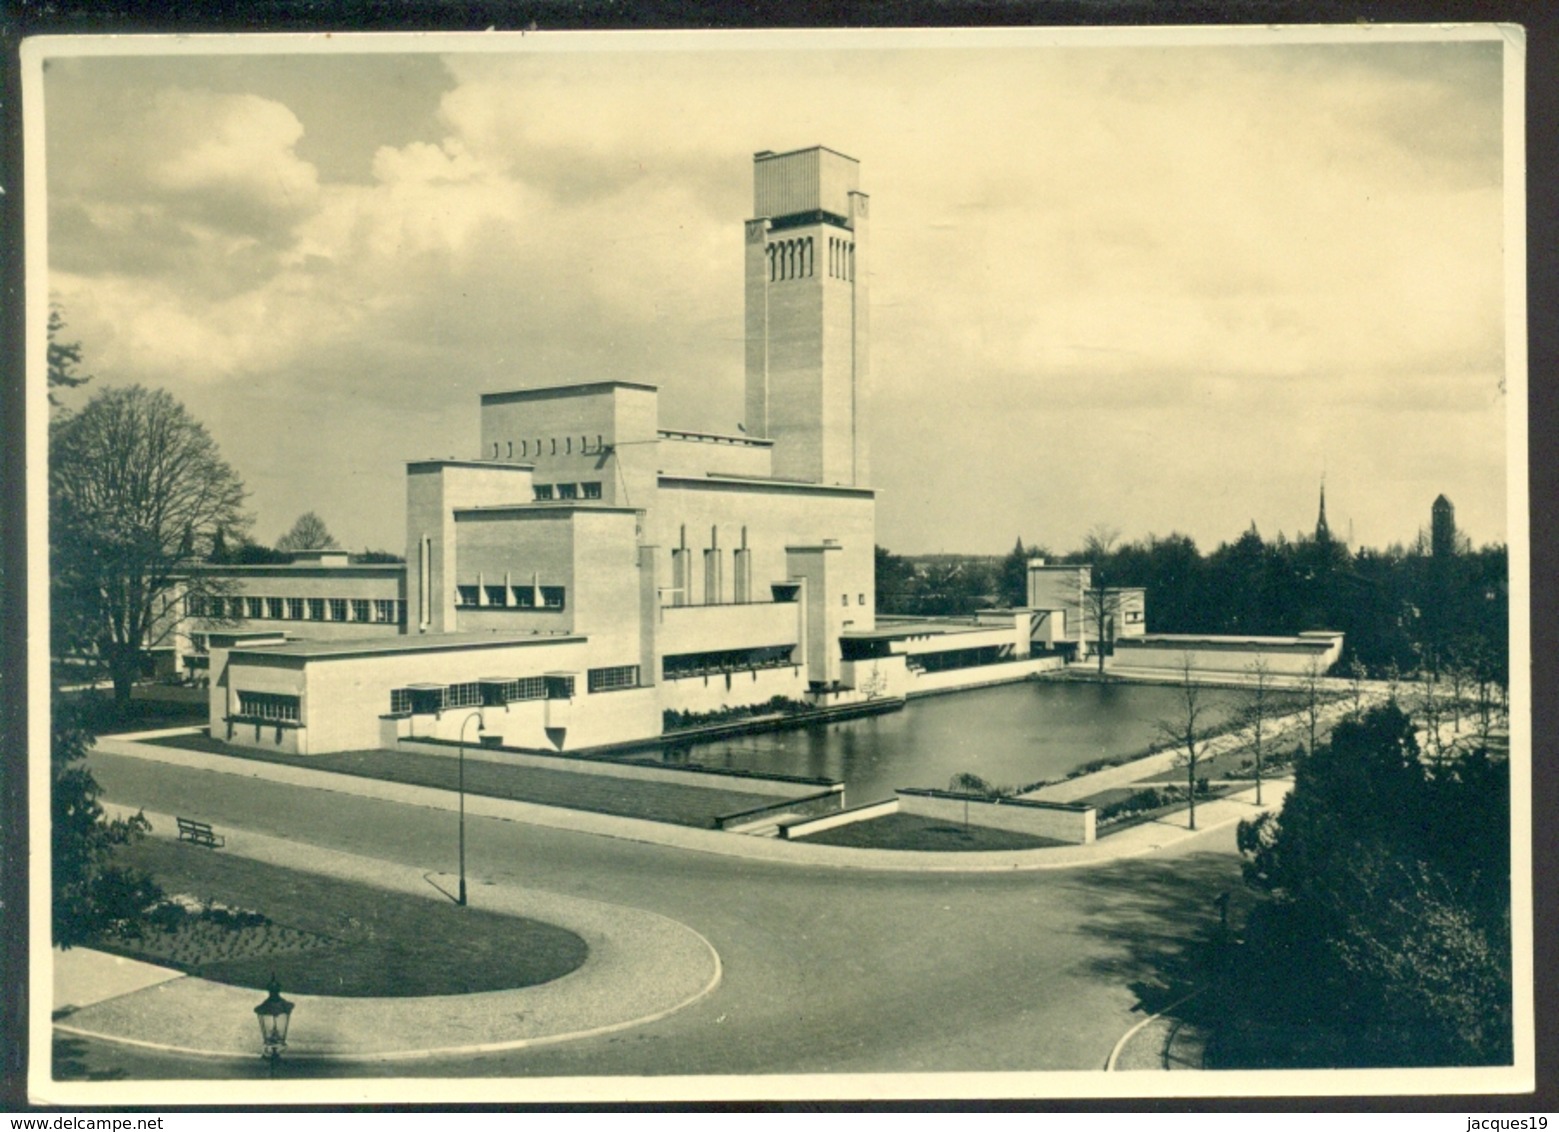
<point>1067,244</point>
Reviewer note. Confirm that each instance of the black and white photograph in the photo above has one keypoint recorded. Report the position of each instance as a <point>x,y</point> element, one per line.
<point>732,566</point>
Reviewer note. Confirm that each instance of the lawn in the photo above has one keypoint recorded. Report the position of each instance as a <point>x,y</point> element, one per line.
<point>320,935</point>
<point>911,831</point>
<point>693,805</point>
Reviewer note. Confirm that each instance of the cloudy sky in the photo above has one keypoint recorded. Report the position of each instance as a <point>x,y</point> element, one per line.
<point>1161,287</point>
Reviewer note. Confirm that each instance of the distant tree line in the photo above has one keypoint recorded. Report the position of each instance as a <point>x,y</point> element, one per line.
<point>1403,609</point>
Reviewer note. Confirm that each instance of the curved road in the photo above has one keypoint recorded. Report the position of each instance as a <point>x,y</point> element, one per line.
<point>826,971</point>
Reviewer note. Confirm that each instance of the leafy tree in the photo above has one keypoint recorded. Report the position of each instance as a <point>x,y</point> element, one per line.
<point>953,587</point>
<point>1012,576</point>
<point>371,556</point>
<point>63,358</point>
<point>897,583</point>
<point>1388,884</point>
<point>308,533</point>
<point>92,894</point>
<point>970,785</point>
<point>138,493</point>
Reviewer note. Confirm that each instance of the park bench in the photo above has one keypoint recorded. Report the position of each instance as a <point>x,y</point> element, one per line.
<point>200,833</point>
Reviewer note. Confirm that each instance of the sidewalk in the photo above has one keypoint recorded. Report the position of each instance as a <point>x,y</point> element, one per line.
<point>641,967</point>
<point>1147,837</point>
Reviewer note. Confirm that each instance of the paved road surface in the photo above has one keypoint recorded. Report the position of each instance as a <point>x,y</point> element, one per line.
<point>826,970</point>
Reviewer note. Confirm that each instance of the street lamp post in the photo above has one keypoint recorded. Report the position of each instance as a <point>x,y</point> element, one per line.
<point>461,776</point>
<point>274,1014</point>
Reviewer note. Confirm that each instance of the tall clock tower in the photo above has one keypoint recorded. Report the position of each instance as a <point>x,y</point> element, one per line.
<point>807,359</point>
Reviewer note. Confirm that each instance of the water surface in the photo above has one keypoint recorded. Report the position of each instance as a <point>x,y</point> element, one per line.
<point>1011,735</point>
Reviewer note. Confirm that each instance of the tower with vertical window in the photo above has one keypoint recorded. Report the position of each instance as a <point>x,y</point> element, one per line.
<point>807,358</point>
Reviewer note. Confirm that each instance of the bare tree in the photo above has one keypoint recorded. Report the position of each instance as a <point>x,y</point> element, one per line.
<point>1186,730</point>
<point>1099,601</point>
<point>308,533</point>
<point>1433,707</point>
<point>1258,711</point>
<point>1356,674</point>
<point>1312,684</point>
<point>137,493</point>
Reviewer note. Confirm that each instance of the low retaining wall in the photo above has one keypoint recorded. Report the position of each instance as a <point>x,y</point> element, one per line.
<point>827,802</point>
<point>802,827</point>
<point>713,778</point>
<point>957,679</point>
<point>1071,822</point>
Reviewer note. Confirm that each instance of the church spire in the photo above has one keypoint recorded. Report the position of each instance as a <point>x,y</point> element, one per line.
<point>1323,533</point>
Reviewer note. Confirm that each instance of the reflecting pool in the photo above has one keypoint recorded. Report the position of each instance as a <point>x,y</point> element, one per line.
<point>1010,735</point>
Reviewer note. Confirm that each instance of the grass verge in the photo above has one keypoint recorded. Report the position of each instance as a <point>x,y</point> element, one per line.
<point>325,936</point>
<point>910,831</point>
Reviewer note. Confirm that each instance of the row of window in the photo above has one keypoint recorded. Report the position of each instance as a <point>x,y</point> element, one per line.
<point>431,698</point>
<point>548,447</point>
<point>795,259</point>
<point>268,705</point>
<point>377,611</point>
<point>547,491</point>
<point>510,597</point>
<point>727,660</point>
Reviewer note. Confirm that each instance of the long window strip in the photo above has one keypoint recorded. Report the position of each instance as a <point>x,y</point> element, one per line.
<point>268,705</point>
<point>611,679</point>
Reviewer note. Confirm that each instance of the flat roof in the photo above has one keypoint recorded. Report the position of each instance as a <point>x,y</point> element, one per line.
<point>451,462</point>
<point>902,630</point>
<point>293,568</point>
<point>1308,638</point>
<point>577,389</point>
<point>424,642</point>
<point>769,154</point>
<point>723,480</point>
<point>725,437</point>
<point>540,507</point>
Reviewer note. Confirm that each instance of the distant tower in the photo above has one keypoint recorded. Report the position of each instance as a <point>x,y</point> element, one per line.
<point>1442,528</point>
<point>807,360</point>
<point>1323,533</point>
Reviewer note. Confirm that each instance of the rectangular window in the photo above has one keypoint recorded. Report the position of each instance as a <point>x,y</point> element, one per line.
<point>844,599</point>
<point>268,705</point>
<point>384,611</point>
<point>527,688</point>
<point>525,597</point>
<point>274,607</point>
<point>400,701</point>
<point>552,597</point>
<point>195,605</point>
<point>254,608</point>
<point>861,600</point>
<point>559,687</point>
<point>568,491</point>
<point>497,595</point>
<point>591,490</point>
<point>611,679</point>
<point>295,609</point>
<point>338,609</point>
<point>543,491</point>
<point>465,595</point>
<point>463,695</point>
<point>316,609</point>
